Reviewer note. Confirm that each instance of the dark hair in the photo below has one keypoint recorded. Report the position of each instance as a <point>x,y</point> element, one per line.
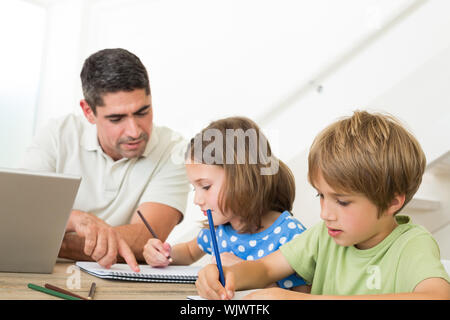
<point>246,192</point>
<point>111,70</point>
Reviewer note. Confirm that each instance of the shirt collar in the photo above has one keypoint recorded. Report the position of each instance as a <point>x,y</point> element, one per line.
<point>89,139</point>
<point>152,143</point>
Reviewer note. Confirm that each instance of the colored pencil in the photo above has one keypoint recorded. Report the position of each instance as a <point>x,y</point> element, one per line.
<point>92,291</point>
<point>150,229</point>
<point>216,248</point>
<point>55,288</point>
<point>147,225</point>
<point>51,292</point>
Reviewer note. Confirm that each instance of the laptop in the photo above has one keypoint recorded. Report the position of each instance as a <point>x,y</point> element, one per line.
<point>34,210</point>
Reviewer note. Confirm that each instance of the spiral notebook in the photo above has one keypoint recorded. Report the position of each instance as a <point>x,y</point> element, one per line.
<point>121,271</point>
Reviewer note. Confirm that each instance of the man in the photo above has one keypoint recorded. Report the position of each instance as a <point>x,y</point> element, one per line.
<point>125,163</point>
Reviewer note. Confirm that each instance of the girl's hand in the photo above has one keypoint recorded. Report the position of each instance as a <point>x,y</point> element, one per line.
<point>227,259</point>
<point>209,286</point>
<point>157,253</point>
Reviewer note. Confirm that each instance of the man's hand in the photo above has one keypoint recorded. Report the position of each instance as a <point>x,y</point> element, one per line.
<point>101,242</point>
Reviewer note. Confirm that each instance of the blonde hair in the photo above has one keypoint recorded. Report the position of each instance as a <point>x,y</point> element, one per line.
<point>246,192</point>
<point>369,154</point>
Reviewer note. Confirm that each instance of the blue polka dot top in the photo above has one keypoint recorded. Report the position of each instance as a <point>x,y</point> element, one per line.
<point>252,246</point>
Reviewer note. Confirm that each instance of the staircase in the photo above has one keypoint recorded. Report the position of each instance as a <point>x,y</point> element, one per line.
<point>431,205</point>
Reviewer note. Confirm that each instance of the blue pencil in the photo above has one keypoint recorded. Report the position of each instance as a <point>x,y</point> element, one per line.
<point>216,248</point>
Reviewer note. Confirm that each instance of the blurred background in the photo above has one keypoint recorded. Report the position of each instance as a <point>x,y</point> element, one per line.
<point>293,66</point>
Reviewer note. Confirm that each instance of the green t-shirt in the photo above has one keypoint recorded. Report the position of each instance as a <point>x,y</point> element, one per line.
<point>407,256</point>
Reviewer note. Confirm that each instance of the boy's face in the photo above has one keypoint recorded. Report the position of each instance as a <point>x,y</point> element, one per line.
<point>352,219</point>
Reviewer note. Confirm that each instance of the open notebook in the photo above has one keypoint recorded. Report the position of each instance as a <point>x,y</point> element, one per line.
<point>121,271</point>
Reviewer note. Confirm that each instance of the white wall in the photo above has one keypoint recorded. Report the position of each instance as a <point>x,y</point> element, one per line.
<point>362,82</point>
<point>263,59</point>
<point>207,59</point>
<point>60,90</point>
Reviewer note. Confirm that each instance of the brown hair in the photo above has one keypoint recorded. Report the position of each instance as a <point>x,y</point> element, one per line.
<point>246,192</point>
<point>370,154</point>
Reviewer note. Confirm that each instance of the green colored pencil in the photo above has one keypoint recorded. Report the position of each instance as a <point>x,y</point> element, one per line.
<point>51,292</point>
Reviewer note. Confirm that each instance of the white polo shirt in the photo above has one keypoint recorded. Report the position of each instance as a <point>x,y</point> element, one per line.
<point>112,190</point>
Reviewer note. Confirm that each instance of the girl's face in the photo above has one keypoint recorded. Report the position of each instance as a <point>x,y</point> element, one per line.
<point>207,181</point>
<point>352,219</point>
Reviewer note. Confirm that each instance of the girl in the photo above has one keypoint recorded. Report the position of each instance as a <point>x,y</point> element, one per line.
<point>250,203</point>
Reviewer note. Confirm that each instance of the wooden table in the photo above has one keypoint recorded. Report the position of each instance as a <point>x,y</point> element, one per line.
<point>13,286</point>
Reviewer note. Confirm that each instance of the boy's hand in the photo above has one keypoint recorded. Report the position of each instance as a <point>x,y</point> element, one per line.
<point>274,293</point>
<point>156,253</point>
<point>209,286</point>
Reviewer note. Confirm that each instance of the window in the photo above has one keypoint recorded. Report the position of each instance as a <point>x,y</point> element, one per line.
<point>22,38</point>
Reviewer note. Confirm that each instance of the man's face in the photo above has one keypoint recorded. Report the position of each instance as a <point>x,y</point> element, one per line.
<point>124,123</point>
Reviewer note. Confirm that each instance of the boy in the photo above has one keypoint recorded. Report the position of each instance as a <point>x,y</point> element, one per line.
<point>365,168</point>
